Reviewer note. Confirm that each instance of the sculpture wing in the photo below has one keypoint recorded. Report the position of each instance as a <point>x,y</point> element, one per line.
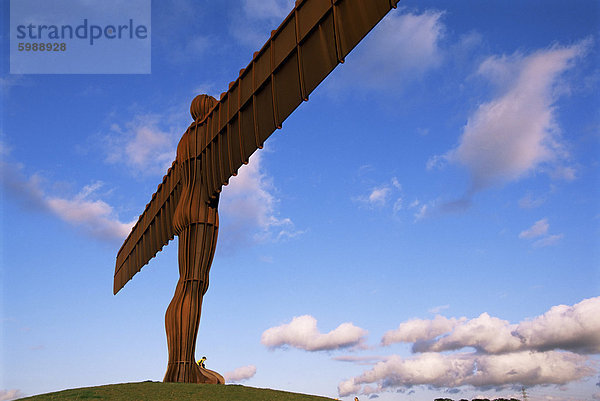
<point>312,40</point>
<point>153,230</point>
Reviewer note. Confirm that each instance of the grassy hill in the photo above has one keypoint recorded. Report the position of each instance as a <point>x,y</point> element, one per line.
<point>155,391</point>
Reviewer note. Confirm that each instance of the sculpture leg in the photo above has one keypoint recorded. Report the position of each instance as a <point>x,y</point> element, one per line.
<point>196,249</point>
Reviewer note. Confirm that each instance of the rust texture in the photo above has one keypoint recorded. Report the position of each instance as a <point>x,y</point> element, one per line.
<point>311,41</point>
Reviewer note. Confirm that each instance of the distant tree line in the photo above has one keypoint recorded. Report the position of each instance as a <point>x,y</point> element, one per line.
<point>478,399</point>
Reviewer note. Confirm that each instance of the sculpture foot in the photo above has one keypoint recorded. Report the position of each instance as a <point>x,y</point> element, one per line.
<point>192,373</point>
<point>212,376</point>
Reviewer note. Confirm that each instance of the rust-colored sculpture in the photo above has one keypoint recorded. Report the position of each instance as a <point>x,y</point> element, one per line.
<point>312,40</point>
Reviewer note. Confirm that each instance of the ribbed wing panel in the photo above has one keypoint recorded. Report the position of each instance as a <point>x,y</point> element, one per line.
<point>153,230</point>
<point>312,40</point>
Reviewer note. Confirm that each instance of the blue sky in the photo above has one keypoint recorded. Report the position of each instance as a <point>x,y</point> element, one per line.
<point>426,225</point>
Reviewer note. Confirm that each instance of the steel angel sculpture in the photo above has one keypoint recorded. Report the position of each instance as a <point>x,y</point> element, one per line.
<point>311,41</point>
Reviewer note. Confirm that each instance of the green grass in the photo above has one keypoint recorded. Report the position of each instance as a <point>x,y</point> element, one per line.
<point>155,391</point>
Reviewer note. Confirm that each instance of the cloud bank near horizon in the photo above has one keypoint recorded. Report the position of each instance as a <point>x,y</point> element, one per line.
<point>554,348</point>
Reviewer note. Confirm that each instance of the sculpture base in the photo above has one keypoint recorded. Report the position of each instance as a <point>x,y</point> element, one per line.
<point>191,373</point>
<point>214,377</point>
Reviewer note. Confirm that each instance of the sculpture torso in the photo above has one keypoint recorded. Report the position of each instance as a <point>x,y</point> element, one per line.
<point>195,206</point>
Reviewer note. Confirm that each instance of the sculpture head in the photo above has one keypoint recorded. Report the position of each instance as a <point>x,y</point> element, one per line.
<point>201,105</point>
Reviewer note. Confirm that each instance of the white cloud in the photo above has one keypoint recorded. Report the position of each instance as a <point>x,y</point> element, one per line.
<point>532,368</point>
<point>379,196</point>
<point>421,212</point>
<point>538,229</point>
<point>248,207</point>
<point>302,333</point>
<point>516,133</point>
<point>479,370</point>
<point>570,328</point>
<point>26,189</point>
<point>400,46</point>
<point>94,216</point>
<point>420,330</point>
<point>84,210</point>
<point>486,333</point>
<point>142,145</point>
<point>436,161</point>
<point>348,387</point>
<point>7,395</point>
<point>398,205</point>
<point>431,368</point>
<point>548,241</point>
<point>414,203</point>
<point>573,328</point>
<point>240,374</point>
